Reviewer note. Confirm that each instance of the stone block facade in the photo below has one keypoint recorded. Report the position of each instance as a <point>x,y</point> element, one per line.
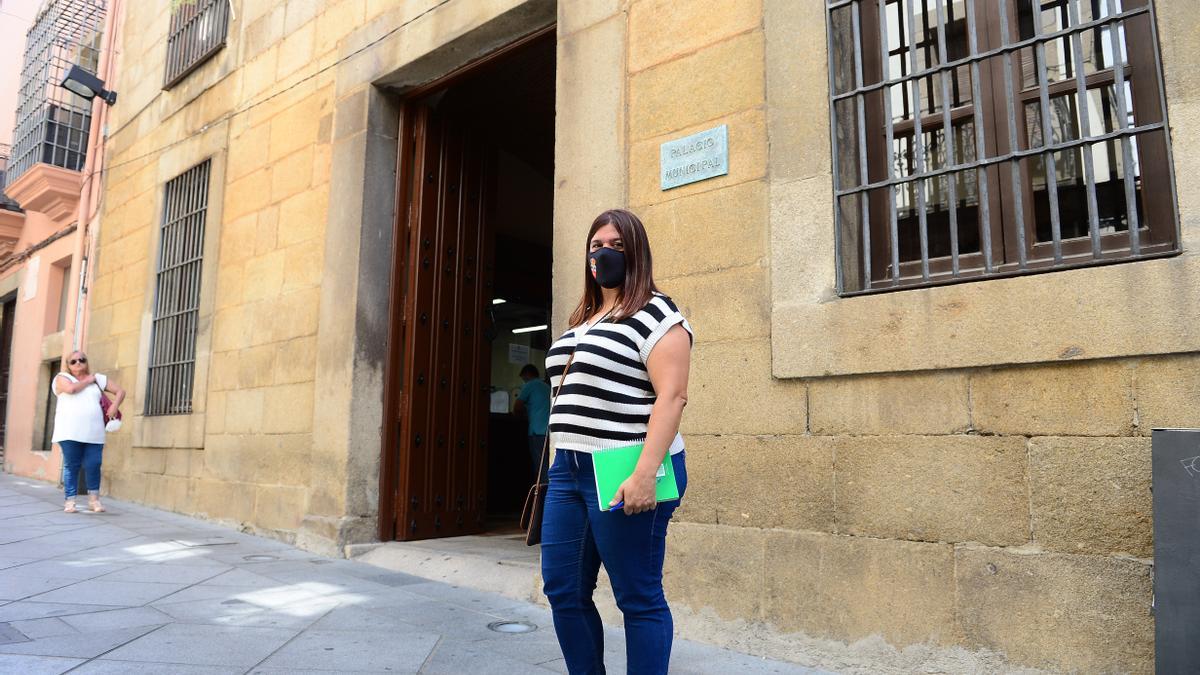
<point>890,468</point>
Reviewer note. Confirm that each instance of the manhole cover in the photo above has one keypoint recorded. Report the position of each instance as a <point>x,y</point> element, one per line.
<point>259,558</point>
<point>512,627</point>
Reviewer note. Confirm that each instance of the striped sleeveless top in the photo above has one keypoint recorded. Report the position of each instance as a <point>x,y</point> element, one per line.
<point>607,397</point>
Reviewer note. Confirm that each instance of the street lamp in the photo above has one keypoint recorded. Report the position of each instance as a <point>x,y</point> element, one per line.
<point>87,85</point>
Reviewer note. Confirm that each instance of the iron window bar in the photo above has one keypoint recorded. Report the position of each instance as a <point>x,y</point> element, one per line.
<point>919,148</point>
<point>199,29</point>
<point>1047,136</point>
<point>1123,122</point>
<point>947,133</point>
<point>171,368</point>
<point>981,178</point>
<point>1013,145</point>
<point>1010,156</point>
<point>1112,16</point>
<point>861,122</point>
<point>979,57</point>
<point>890,140</point>
<point>1085,127</point>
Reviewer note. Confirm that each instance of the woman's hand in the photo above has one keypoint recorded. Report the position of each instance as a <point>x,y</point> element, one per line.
<point>638,493</point>
<point>112,412</point>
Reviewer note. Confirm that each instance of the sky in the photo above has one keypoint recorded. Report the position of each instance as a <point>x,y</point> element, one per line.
<point>15,19</point>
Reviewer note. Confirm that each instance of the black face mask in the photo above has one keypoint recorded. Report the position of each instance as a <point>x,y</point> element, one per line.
<point>608,267</point>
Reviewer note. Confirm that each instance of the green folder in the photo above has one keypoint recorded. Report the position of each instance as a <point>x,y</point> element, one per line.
<point>612,467</point>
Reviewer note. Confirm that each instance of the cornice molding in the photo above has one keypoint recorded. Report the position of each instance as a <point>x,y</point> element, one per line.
<point>48,189</point>
<point>11,223</point>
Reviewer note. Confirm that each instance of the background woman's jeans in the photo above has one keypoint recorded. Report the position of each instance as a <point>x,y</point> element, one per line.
<point>75,454</point>
<point>576,537</point>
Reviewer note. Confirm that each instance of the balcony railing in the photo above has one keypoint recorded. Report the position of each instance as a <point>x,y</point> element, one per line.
<point>52,123</point>
<point>5,203</point>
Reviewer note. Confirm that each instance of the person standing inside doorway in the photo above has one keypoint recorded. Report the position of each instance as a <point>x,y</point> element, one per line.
<point>534,402</point>
<point>629,349</point>
<point>79,426</point>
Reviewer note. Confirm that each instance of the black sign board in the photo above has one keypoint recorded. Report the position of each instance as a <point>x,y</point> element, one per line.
<point>1176,481</point>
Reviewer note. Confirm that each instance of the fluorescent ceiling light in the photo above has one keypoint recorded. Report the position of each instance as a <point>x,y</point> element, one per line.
<point>530,329</point>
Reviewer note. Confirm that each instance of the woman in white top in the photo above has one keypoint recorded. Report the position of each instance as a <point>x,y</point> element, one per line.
<point>79,425</point>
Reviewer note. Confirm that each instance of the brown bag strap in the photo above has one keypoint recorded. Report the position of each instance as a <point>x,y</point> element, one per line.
<point>546,443</point>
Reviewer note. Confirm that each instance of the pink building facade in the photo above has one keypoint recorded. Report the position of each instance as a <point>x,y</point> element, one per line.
<point>47,211</point>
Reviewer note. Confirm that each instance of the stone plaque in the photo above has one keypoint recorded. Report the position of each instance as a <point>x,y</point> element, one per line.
<point>694,158</point>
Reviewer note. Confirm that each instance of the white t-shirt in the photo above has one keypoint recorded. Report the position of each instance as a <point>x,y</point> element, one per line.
<point>78,416</point>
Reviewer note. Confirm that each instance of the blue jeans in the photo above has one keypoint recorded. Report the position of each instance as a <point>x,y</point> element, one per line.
<point>576,537</point>
<point>76,454</point>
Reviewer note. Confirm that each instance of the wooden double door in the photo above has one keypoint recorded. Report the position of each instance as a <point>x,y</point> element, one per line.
<point>439,374</point>
<point>434,465</point>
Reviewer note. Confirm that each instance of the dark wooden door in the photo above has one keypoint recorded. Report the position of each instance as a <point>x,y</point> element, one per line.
<point>440,365</point>
<point>7,314</point>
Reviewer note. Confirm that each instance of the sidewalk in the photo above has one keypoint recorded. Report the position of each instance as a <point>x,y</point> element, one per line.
<point>140,590</point>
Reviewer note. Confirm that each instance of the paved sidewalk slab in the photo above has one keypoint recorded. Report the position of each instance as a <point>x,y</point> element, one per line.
<point>136,590</point>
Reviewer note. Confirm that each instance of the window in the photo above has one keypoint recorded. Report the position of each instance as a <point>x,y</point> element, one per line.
<point>198,30</point>
<point>64,295</point>
<point>177,294</point>
<point>983,138</point>
<point>52,369</point>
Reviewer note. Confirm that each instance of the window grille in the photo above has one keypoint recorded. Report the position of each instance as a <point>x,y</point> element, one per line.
<point>5,202</point>
<point>53,123</point>
<point>198,30</point>
<point>177,294</point>
<point>985,138</point>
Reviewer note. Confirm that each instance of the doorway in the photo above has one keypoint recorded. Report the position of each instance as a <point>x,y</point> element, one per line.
<point>470,299</point>
<point>8,313</point>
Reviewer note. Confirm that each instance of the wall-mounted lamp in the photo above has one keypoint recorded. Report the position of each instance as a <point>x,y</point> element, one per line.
<point>87,85</point>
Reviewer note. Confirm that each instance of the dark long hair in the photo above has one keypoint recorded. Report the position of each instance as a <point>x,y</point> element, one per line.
<point>639,284</point>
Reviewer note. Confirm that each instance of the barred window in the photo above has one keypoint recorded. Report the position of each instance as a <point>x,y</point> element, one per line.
<point>172,365</point>
<point>985,138</point>
<point>198,30</point>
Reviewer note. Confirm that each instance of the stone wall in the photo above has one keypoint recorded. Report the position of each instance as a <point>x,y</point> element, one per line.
<point>262,111</point>
<point>284,434</point>
<point>969,497</point>
<point>1000,511</point>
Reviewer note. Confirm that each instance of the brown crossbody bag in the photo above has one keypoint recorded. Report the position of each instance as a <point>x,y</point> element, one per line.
<point>535,501</point>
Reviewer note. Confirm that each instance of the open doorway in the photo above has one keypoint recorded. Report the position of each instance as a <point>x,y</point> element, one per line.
<point>8,313</point>
<point>471,294</point>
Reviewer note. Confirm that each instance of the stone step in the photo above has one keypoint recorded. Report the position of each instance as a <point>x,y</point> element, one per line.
<point>497,563</point>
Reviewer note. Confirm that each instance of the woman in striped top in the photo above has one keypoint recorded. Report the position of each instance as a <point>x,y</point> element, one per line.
<point>627,384</point>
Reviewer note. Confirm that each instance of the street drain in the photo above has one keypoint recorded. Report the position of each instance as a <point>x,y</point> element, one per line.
<point>259,558</point>
<point>512,627</point>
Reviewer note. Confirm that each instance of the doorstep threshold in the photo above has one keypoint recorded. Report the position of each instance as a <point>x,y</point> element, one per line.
<point>499,563</point>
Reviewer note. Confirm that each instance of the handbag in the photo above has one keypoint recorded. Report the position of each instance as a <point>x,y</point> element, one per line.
<point>535,501</point>
<point>105,404</point>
